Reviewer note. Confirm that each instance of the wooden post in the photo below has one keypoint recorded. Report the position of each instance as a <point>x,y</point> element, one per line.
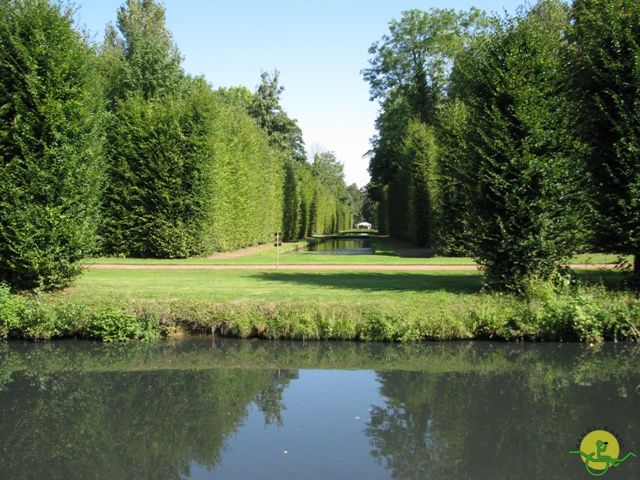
<point>277,248</point>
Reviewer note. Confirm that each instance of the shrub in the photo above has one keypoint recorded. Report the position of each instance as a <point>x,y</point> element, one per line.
<point>9,310</point>
<point>528,202</point>
<point>112,325</point>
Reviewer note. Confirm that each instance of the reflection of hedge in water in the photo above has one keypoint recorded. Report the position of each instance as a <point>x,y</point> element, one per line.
<point>83,425</point>
<point>502,426</point>
<point>498,405</point>
<point>574,362</point>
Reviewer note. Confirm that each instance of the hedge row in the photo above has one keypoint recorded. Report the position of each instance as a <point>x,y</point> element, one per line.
<point>189,175</point>
<point>117,151</point>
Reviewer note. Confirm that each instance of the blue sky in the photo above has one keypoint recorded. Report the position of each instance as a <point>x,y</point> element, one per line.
<point>319,47</point>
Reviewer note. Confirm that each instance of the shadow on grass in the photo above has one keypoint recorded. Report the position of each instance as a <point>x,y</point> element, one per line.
<point>376,281</point>
<point>393,247</point>
<point>609,279</point>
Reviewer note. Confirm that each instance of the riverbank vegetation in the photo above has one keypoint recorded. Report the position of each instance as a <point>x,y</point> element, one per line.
<point>335,305</point>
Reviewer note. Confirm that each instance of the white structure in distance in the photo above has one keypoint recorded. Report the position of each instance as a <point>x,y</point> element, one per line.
<point>366,225</point>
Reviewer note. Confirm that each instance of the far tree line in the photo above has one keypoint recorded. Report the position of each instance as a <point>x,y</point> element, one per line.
<point>513,140</point>
<point>113,149</point>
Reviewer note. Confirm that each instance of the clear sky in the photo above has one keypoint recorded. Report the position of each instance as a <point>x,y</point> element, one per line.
<point>319,47</point>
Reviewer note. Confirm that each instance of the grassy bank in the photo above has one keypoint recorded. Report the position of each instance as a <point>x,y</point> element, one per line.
<point>388,306</point>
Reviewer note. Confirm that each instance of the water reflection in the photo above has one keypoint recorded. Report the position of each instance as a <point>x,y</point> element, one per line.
<point>342,245</point>
<point>230,409</point>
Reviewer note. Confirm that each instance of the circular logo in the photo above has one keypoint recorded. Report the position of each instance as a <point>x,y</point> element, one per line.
<point>599,451</point>
<point>603,442</point>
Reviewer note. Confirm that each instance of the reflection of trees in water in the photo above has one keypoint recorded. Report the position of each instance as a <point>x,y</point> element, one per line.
<point>499,426</point>
<point>128,424</point>
<point>507,411</point>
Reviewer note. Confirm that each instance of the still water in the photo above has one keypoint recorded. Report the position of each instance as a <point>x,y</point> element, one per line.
<point>224,409</point>
<point>342,246</point>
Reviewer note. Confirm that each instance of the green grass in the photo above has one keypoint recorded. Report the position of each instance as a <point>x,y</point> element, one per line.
<point>386,253</point>
<point>327,304</point>
<point>271,285</point>
<point>117,305</point>
<point>222,286</point>
<point>231,285</point>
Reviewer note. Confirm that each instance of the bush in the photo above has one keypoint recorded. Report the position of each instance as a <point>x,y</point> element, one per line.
<point>112,325</point>
<point>529,205</point>
<point>38,321</point>
<point>9,310</point>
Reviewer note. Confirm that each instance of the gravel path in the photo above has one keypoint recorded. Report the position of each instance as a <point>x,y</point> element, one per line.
<point>243,252</point>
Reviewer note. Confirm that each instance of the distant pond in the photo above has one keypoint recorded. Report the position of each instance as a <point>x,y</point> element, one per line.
<point>342,246</point>
<point>208,408</point>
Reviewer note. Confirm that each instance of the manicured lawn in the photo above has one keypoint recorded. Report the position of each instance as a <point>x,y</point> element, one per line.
<point>238,285</point>
<point>396,305</point>
<point>214,286</point>
<point>294,254</point>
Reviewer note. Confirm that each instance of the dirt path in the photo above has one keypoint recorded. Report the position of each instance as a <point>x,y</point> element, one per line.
<point>243,252</point>
<point>106,266</point>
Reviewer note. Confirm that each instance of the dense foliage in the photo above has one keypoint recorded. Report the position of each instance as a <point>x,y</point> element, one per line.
<point>605,75</point>
<point>513,140</point>
<point>186,170</point>
<point>528,206</point>
<point>189,173</point>
<point>181,182</point>
<point>50,145</point>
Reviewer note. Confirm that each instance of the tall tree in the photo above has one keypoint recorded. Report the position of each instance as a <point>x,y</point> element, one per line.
<point>140,56</point>
<point>606,90</point>
<point>283,131</point>
<point>51,140</point>
<point>417,53</point>
<point>408,74</point>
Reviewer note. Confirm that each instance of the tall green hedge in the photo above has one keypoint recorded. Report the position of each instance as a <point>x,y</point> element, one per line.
<point>246,191</point>
<point>189,175</point>
<point>50,145</point>
<point>529,206</point>
<point>421,148</point>
<point>605,76</point>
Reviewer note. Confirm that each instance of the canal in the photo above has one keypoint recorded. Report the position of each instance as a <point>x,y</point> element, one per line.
<point>205,408</point>
<point>342,246</point>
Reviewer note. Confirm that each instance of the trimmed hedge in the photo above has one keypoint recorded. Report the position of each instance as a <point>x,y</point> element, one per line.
<point>189,175</point>
<point>50,145</point>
